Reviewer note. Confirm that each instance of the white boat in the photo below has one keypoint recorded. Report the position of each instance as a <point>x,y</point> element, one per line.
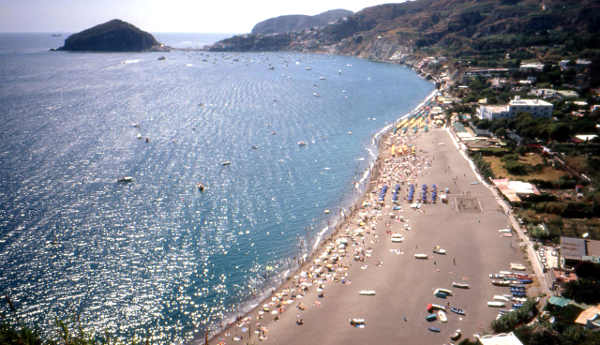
<point>397,238</point>
<point>517,267</point>
<point>302,143</point>
<point>308,68</point>
<point>125,179</point>
<point>226,163</point>
<point>496,304</point>
<point>460,285</point>
<point>501,298</point>
<point>506,231</point>
<point>442,316</point>
<point>315,94</point>
<point>439,250</point>
<point>421,256</point>
<point>445,291</point>
<point>321,78</point>
<point>139,136</point>
<point>367,292</point>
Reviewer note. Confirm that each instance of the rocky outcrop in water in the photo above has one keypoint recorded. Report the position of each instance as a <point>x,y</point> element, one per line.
<point>113,36</point>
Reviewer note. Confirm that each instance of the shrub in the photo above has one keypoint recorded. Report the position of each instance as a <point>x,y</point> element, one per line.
<point>509,321</point>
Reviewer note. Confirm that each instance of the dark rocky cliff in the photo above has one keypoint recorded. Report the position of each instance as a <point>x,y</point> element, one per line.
<point>113,36</point>
<point>299,22</point>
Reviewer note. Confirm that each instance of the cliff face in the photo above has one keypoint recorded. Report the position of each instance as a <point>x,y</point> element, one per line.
<point>291,23</point>
<point>113,36</point>
<point>456,27</point>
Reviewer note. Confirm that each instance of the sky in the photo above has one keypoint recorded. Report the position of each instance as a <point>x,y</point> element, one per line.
<point>205,16</point>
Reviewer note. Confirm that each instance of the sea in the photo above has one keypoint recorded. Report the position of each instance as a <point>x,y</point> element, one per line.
<point>282,143</point>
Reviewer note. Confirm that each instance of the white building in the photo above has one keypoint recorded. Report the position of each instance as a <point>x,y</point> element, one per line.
<point>500,339</point>
<point>536,107</point>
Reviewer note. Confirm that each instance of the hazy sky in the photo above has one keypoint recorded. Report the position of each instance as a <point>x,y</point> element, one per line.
<point>223,16</point>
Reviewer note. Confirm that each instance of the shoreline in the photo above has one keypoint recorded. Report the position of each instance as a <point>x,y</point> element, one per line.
<point>368,185</point>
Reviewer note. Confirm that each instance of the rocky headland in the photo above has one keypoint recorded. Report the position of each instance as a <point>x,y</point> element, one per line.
<point>113,36</point>
<point>298,22</point>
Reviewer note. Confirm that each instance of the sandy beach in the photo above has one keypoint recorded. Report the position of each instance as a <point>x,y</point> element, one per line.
<point>315,306</point>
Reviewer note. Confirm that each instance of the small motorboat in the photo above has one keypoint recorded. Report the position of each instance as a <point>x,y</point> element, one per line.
<point>226,163</point>
<point>367,292</point>
<point>458,311</point>
<point>431,317</point>
<point>460,285</point>
<point>517,267</point>
<point>439,250</point>
<point>125,179</point>
<point>200,186</point>
<point>456,335</point>
<point>433,306</point>
<point>397,238</point>
<point>434,329</point>
<point>496,304</point>
<point>442,316</point>
<point>302,143</point>
<point>442,291</point>
<point>501,282</point>
<point>421,256</point>
<point>357,322</point>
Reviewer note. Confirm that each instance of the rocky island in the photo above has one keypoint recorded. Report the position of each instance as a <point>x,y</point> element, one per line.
<point>113,36</point>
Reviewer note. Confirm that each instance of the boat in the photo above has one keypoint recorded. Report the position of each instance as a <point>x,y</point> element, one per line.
<point>161,58</point>
<point>460,285</point>
<point>433,306</point>
<point>421,256</point>
<point>139,136</point>
<point>226,163</point>
<point>357,322</point>
<point>439,250</point>
<point>302,143</point>
<point>125,179</point>
<point>456,335</point>
<point>517,267</point>
<point>444,291</point>
<point>315,94</point>
<point>397,238</point>
<point>200,186</point>
<point>308,68</point>
<point>442,316</point>
<point>431,317</point>
<point>434,329</point>
<point>525,281</point>
<point>458,311</point>
<point>501,298</point>
<point>367,292</point>
<point>501,282</point>
<point>496,304</point>
<point>321,78</point>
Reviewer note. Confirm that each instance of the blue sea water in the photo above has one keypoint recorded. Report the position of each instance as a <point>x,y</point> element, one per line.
<point>157,257</point>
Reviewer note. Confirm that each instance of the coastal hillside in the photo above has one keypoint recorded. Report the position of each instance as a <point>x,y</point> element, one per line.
<point>459,28</point>
<point>113,36</point>
<point>298,22</point>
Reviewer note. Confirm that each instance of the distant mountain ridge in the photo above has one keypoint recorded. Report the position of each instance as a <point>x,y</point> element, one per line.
<point>453,27</point>
<point>112,36</point>
<point>298,22</point>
